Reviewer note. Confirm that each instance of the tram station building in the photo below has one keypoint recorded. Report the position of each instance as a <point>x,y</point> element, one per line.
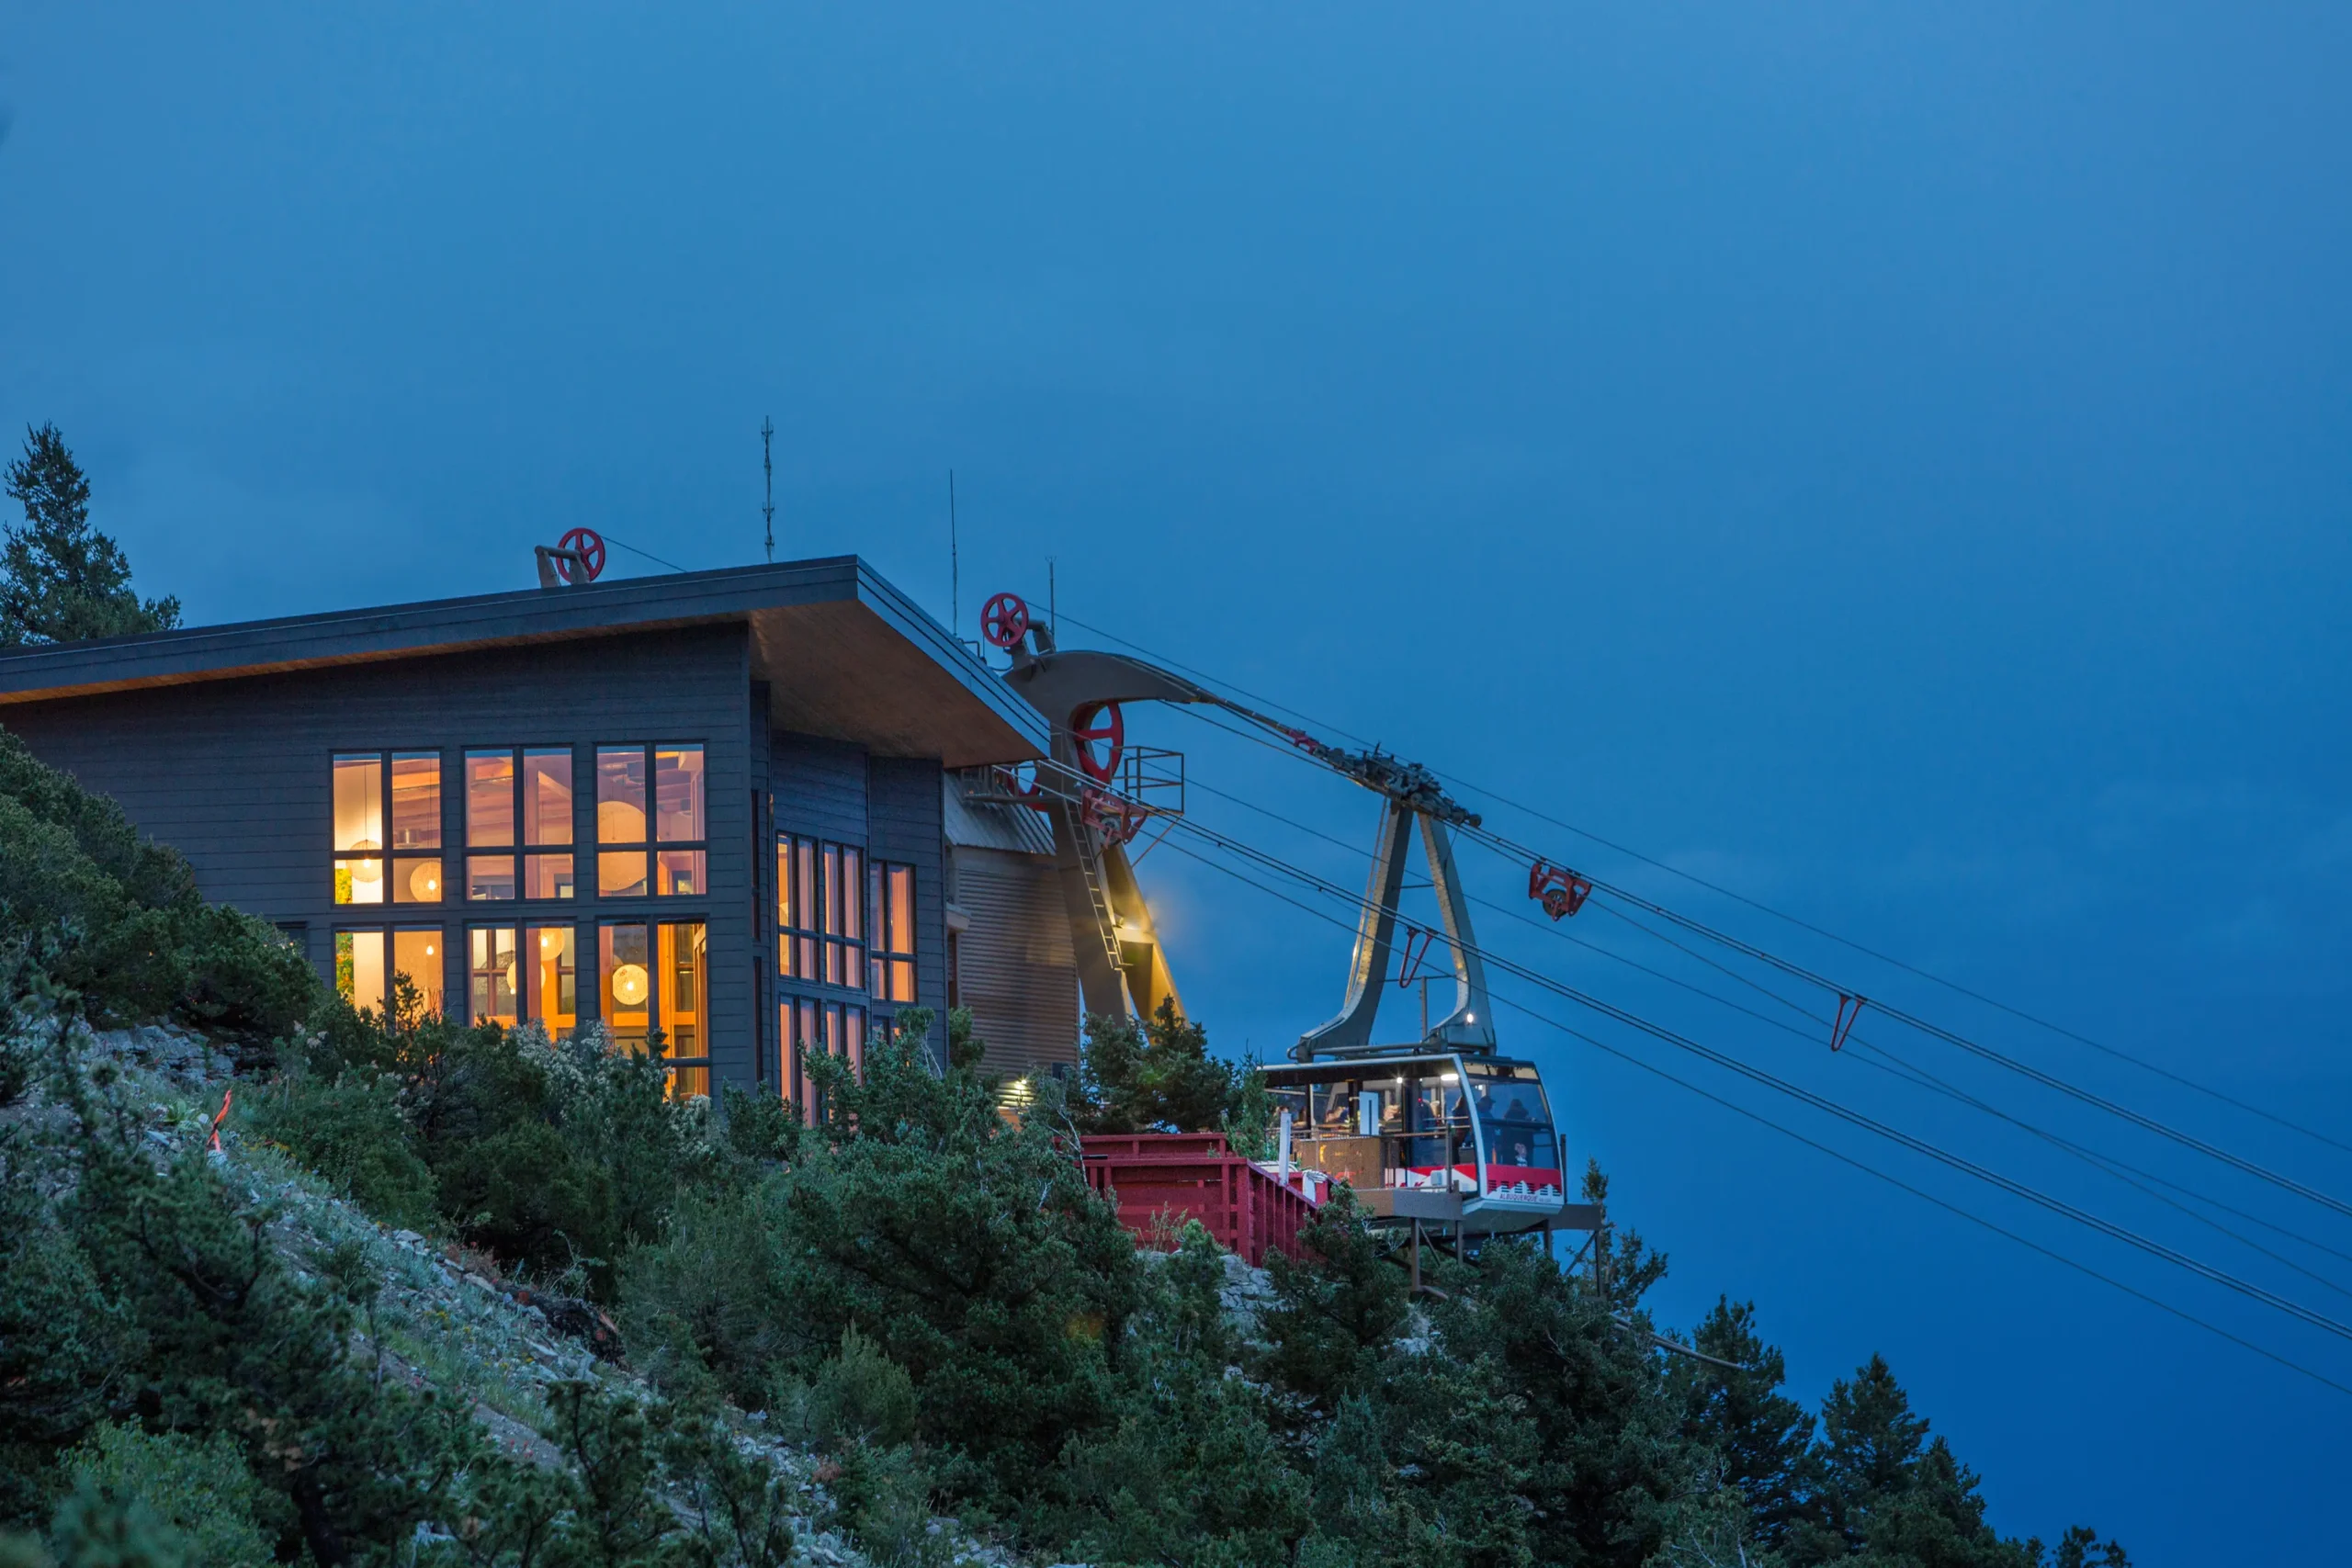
<point>717,804</point>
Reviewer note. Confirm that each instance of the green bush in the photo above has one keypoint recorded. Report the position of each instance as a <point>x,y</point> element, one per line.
<point>860,1396</point>
<point>349,1130</point>
<point>558,1157</point>
<point>165,1297</point>
<point>200,1491</point>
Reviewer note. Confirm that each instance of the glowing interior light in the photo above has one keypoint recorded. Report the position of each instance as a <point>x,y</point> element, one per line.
<point>368,870</point>
<point>426,882</point>
<point>628,985</point>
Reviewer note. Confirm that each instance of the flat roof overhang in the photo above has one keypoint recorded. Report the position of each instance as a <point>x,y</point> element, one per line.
<point>843,653</point>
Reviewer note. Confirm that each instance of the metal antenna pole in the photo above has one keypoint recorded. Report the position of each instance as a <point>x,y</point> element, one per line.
<point>955,577</point>
<point>767,467</point>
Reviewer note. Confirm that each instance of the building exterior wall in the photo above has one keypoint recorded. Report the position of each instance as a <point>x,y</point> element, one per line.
<point>903,824</point>
<point>236,776</point>
<point>1015,966</point>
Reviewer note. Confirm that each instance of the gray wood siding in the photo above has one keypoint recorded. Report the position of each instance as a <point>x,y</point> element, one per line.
<point>235,774</point>
<point>904,824</point>
<point>818,787</point>
<point>1018,974</point>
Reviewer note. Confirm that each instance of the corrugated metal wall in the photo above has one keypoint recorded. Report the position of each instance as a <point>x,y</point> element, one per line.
<point>1017,971</point>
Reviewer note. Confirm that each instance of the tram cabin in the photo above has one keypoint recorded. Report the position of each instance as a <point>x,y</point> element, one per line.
<point>1448,1139</point>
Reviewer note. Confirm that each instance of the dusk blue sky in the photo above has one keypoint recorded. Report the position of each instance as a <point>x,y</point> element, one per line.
<point>1888,461</point>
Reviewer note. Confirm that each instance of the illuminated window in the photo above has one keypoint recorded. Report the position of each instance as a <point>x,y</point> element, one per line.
<point>494,975</point>
<point>663,854</point>
<point>359,969</point>
<point>416,827</point>
<point>418,957</point>
<point>490,877</point>
<point>365,782</point>
<point>523,796</point>
<point>821,912</point>
<point>658,978</point>
<point>547,822</point>
<point>893,966</point>
<point>490,800</point>
<point>683,955</point>
<point>678,794</point>
<point>808,1027</point>
<point>625,970</point>
<point>551,980</point>
<point>359,834</point>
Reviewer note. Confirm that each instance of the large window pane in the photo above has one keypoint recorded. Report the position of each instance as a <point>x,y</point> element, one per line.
<point>417,955</point>
<point>901,889</point>
<point>490,799</point>
<point>620,875</point>
<point>679,873</point>
<point>626,971</point>
<point>489,876</point>
<point>783,883</point>
<point>358,879</point>
<point>620,794</point>
<point>678,794</point>
<point>491,967</point>
<point>360,802</point>
<point>685,984</point>
<point>852,896</point>
<point>359,968</point>
<point>805,885</point>
<point>416,800</point>
<point>416,881</point>
<point>806,1043</point>
<point>359,829</point>
<point>546,877</point>
<point>547,797</point>
<point>554,983</point>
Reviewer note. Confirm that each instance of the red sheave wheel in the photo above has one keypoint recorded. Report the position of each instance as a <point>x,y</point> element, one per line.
<point>1099,725</point>
<point>1004,620</point>
<point>591,546</point>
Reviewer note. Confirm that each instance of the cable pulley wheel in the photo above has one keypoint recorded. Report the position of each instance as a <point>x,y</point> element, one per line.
<point>1004,620</point>
<point>591,563</point>
<point>1103,725</point>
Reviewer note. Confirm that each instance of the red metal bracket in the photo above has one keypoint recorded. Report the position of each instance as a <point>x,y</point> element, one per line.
<point>1408,967</point>
<point>1562,891</point>
<point>1843,1029</point>
<point>1118,821</point>
<point>1031,795</point>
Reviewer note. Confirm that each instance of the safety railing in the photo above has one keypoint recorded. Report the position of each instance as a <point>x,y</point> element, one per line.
<point>1160,1179</point>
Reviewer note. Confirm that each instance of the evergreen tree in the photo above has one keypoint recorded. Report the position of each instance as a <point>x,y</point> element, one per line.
<point>1758,1433</point>
<point>1156,1077</point>
<point>1870,1441</point>
<point>1607,1456</point>
<point>62,580</point>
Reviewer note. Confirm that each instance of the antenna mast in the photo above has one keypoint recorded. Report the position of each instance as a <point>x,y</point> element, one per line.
<point>767,467</point>
<point>955,583</point>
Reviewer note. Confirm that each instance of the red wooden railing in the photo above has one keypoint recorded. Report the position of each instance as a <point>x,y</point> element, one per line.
<point>1161,1180</point>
